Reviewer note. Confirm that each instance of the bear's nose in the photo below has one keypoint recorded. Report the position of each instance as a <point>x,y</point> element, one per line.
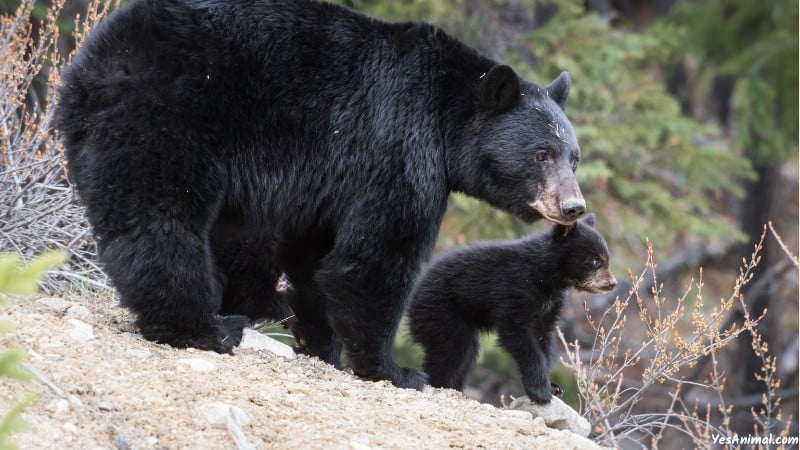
<point>573,208</point>
<point>612,284</point>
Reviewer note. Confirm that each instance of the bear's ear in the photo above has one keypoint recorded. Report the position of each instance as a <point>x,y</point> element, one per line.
<point>499,90</point>
<point>589,219</point>
<point>559,89</point>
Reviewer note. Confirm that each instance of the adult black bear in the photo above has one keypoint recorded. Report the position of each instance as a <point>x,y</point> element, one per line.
<point>218,143</point>
<point>514,287</point>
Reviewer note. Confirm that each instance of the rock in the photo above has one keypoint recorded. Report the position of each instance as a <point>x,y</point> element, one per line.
<point>51,347</point>
<point>140,353</point>
<point>130,335</point>
<point>217,414</point>
<point>80,312</point>
<point>198,364</point>
<point>55,304</point>
<point>82,332</point>
<point>518,413</point>
<point>556,414</point>
<point>252,339</point>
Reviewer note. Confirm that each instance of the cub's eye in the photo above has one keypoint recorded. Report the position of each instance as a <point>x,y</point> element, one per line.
<point>575,162</point>
<point>597,263</point>
<point>541,156</point>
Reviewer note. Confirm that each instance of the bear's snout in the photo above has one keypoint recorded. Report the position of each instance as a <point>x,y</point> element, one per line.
<point>573,208</point>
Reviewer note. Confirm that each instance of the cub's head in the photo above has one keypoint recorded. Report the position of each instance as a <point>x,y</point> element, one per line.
<point>519,152</point>
<point>584,255</point>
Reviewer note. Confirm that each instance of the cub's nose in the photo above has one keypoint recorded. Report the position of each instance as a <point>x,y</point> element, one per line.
<point>573,208</point>
<point>612,284</point>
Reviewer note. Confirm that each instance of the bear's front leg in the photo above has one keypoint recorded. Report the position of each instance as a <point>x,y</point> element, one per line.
<point>365,300</point>
<point>530,350</point>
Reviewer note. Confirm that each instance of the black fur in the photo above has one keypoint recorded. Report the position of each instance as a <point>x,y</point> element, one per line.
<point>219,143</point>
<point>516,288</point>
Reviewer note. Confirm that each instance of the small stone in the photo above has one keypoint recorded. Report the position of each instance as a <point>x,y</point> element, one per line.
<point>360,444</point>
<point>121,442</point>
<point>82,332</point>
<point>80,312</point>
<point>294,399</point>
<point>521,426</point>
<point>140,353</point>
<point>74,401</point>
<point>58,406</point>
<point>217,414</point>
<point>50,347</point>
<point>555,414</point>
<point>70,428</point>
<point>482,419</point>
<point>105,406</point>
<point>55,304</point>
<point>130,335</point>
<point>198,364</point>
<point>62,405</point>
<point>252,339</point>
<point>519,414</point>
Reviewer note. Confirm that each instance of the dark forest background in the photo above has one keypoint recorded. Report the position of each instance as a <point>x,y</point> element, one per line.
<point>687,117</point>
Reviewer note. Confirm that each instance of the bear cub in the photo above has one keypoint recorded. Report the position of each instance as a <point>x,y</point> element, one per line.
<point>516,288</point>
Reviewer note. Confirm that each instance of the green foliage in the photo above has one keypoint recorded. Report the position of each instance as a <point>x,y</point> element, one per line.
<point>402,10</point>
<point>11,422</point>
<point>754,44</point>
<point>18,278</point>
<point>649,170</point>
<point>653,169</point>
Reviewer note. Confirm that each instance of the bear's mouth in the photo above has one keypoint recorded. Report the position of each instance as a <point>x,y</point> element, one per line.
<point>548,214</point>
<point>599,284</point>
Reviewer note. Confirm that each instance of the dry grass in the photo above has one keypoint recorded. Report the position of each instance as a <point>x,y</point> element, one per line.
<point>38,210</point>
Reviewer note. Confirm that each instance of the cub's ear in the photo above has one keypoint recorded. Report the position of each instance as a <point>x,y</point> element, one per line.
<point>559,89</point>
<point>561,231</point>
<point>499,90</point>
<point>589,219</point>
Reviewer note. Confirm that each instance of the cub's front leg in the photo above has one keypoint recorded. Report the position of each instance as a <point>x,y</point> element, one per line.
<point>530,349</point>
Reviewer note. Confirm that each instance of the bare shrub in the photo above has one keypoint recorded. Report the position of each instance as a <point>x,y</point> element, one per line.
<point>633,384</point>
<point>38,210</point>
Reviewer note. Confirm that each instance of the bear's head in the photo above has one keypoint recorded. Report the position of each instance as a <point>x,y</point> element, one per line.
<point>519,152</point>
<point>583,255</point>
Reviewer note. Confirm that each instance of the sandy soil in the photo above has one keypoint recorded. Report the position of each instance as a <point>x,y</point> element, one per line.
<point>100,386</point>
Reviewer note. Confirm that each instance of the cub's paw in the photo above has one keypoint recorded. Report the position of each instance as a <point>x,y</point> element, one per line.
<point>556,390</point>
<point>540,395</point>
<point>401,377</point>
<point>411,379</point>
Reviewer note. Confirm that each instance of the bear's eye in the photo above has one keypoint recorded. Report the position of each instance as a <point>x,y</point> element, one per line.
<point>597,262</point>
<point>541,156</point>
<point>575,162</point>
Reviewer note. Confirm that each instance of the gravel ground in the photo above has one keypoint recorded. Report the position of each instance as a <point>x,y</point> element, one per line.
<point>100,386</point>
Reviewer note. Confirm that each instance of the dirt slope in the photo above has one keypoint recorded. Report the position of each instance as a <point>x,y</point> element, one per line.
<point>101,387</point>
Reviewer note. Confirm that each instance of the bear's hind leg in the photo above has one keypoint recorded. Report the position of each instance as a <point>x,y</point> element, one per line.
<point>311,329</point>
<point>163,272</point>
<point>246,271</point>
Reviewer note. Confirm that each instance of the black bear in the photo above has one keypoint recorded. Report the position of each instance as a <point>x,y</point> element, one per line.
<point>514,287</point>
<point>217,144</point>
